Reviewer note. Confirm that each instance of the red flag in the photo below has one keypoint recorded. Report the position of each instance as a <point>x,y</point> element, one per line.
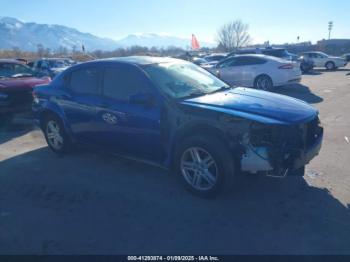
<point>195,43</point>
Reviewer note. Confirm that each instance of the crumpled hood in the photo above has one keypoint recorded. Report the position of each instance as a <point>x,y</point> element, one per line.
<point>257,105</point>
<point>21,83</point>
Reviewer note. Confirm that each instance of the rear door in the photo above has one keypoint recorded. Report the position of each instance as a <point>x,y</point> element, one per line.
<point>127,123</point>
<point>79,97</point>
<point>318,60</point>
<point>250,67</point>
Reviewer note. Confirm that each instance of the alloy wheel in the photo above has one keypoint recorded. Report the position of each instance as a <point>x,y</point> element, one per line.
<point>53,134</point>
<point>263,83</point>
<point>199,169</point>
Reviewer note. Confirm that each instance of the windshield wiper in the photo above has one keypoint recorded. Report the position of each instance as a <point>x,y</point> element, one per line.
<point>223,88</point>
<point>194,94</point>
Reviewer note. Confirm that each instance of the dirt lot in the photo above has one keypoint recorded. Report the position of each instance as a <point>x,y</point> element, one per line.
<point>85,203</point>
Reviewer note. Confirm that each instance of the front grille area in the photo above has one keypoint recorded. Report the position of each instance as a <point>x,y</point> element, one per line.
<point>313,131</point>
<point>286,143</point>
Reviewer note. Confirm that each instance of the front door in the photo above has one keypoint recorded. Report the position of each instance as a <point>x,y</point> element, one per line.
<point>128,118</point>
<point>230,72</point>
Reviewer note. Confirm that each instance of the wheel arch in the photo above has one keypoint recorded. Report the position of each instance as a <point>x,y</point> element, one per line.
<point>45,113</point>
<point>331,62</point>
<point>203,129</point>
<point>263,74</point>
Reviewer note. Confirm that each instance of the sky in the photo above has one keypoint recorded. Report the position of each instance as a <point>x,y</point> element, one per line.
<point>269,20</point>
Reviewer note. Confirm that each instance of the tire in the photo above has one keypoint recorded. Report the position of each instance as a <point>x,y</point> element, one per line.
<point>263,82</point>
<point>330,66</point>
<point>303,68</point>
<point>54,130</point>
<point>203,176</point>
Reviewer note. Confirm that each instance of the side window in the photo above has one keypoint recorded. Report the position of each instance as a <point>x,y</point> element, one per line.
<point>246,61</point>
<point>121,83</point>
<point>227,63</point>
<point>44,65</point>
<point>85,81</point>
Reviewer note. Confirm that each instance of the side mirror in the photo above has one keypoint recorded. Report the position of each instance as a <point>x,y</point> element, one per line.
<point>145,99</point>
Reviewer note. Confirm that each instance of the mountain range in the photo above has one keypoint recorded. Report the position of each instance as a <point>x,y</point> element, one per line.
<point>27,36</point>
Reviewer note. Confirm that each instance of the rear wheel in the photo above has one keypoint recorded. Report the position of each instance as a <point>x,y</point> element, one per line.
<point>330,65</point>
<point>263,82</point>
<point>55,134</point>
<point>204,165</point>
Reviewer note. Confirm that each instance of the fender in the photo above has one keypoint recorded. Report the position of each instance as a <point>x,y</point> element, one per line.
<point>49,106</point>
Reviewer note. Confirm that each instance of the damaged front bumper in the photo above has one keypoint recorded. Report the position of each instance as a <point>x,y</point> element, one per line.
<point>279,150</point>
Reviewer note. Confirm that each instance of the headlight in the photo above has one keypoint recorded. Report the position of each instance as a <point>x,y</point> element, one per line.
<point>3,96</point>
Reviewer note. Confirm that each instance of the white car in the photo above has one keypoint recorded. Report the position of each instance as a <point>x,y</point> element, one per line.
<point>258,71</point>
<point>323,60</point>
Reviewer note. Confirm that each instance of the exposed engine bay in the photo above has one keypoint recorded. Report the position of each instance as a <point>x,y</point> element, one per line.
<point>277,150</point>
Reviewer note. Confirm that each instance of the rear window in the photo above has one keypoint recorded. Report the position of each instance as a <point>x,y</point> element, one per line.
<point>276,53</point>
<point>12,69</point>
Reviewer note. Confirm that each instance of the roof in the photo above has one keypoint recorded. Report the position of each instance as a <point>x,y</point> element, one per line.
<point>141,60</point>
<point>14,61</point>
<point>55,58</point>
<point>312,52</point>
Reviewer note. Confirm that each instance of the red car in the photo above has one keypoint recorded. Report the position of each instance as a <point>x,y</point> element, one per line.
<point>16,83</point>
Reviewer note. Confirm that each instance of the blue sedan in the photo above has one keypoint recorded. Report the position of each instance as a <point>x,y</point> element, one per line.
<point>174,114</point>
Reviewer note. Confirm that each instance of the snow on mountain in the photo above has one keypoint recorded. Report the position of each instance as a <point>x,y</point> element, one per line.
<point>27,36</point>
<point>158,40</point>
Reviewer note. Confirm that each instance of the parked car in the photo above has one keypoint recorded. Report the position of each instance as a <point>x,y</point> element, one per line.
<point>199,61</point>
<point>306,65</point>
<point>177,115</point>
<point>346,57</point>
<point>52,66</point>
<point>321,59</point>
<point>215,58</point>
<point>16,83</point>
<point>275,52</point>
<point>258,71</point>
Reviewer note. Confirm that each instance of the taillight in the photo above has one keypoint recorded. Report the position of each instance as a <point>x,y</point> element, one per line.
<point>286,66</point>
<point>35,97</point>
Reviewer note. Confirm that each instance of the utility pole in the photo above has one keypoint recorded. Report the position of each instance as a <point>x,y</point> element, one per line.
<point>330,27</point>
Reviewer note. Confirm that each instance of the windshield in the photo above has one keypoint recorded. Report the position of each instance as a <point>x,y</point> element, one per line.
<point>60,63</point>
<point>323,54</point>
<point>14,70</point>
<point>183,80</point>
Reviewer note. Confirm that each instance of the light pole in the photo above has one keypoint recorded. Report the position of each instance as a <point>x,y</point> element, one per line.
<point>330,27</point>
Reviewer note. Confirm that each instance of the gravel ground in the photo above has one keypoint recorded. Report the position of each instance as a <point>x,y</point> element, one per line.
<point>88,203</point>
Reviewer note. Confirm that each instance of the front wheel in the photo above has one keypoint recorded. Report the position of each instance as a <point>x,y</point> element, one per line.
<point>205,165</point>
<point>263,82</point>
<point>330,66</point>
<point>55,134</point>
